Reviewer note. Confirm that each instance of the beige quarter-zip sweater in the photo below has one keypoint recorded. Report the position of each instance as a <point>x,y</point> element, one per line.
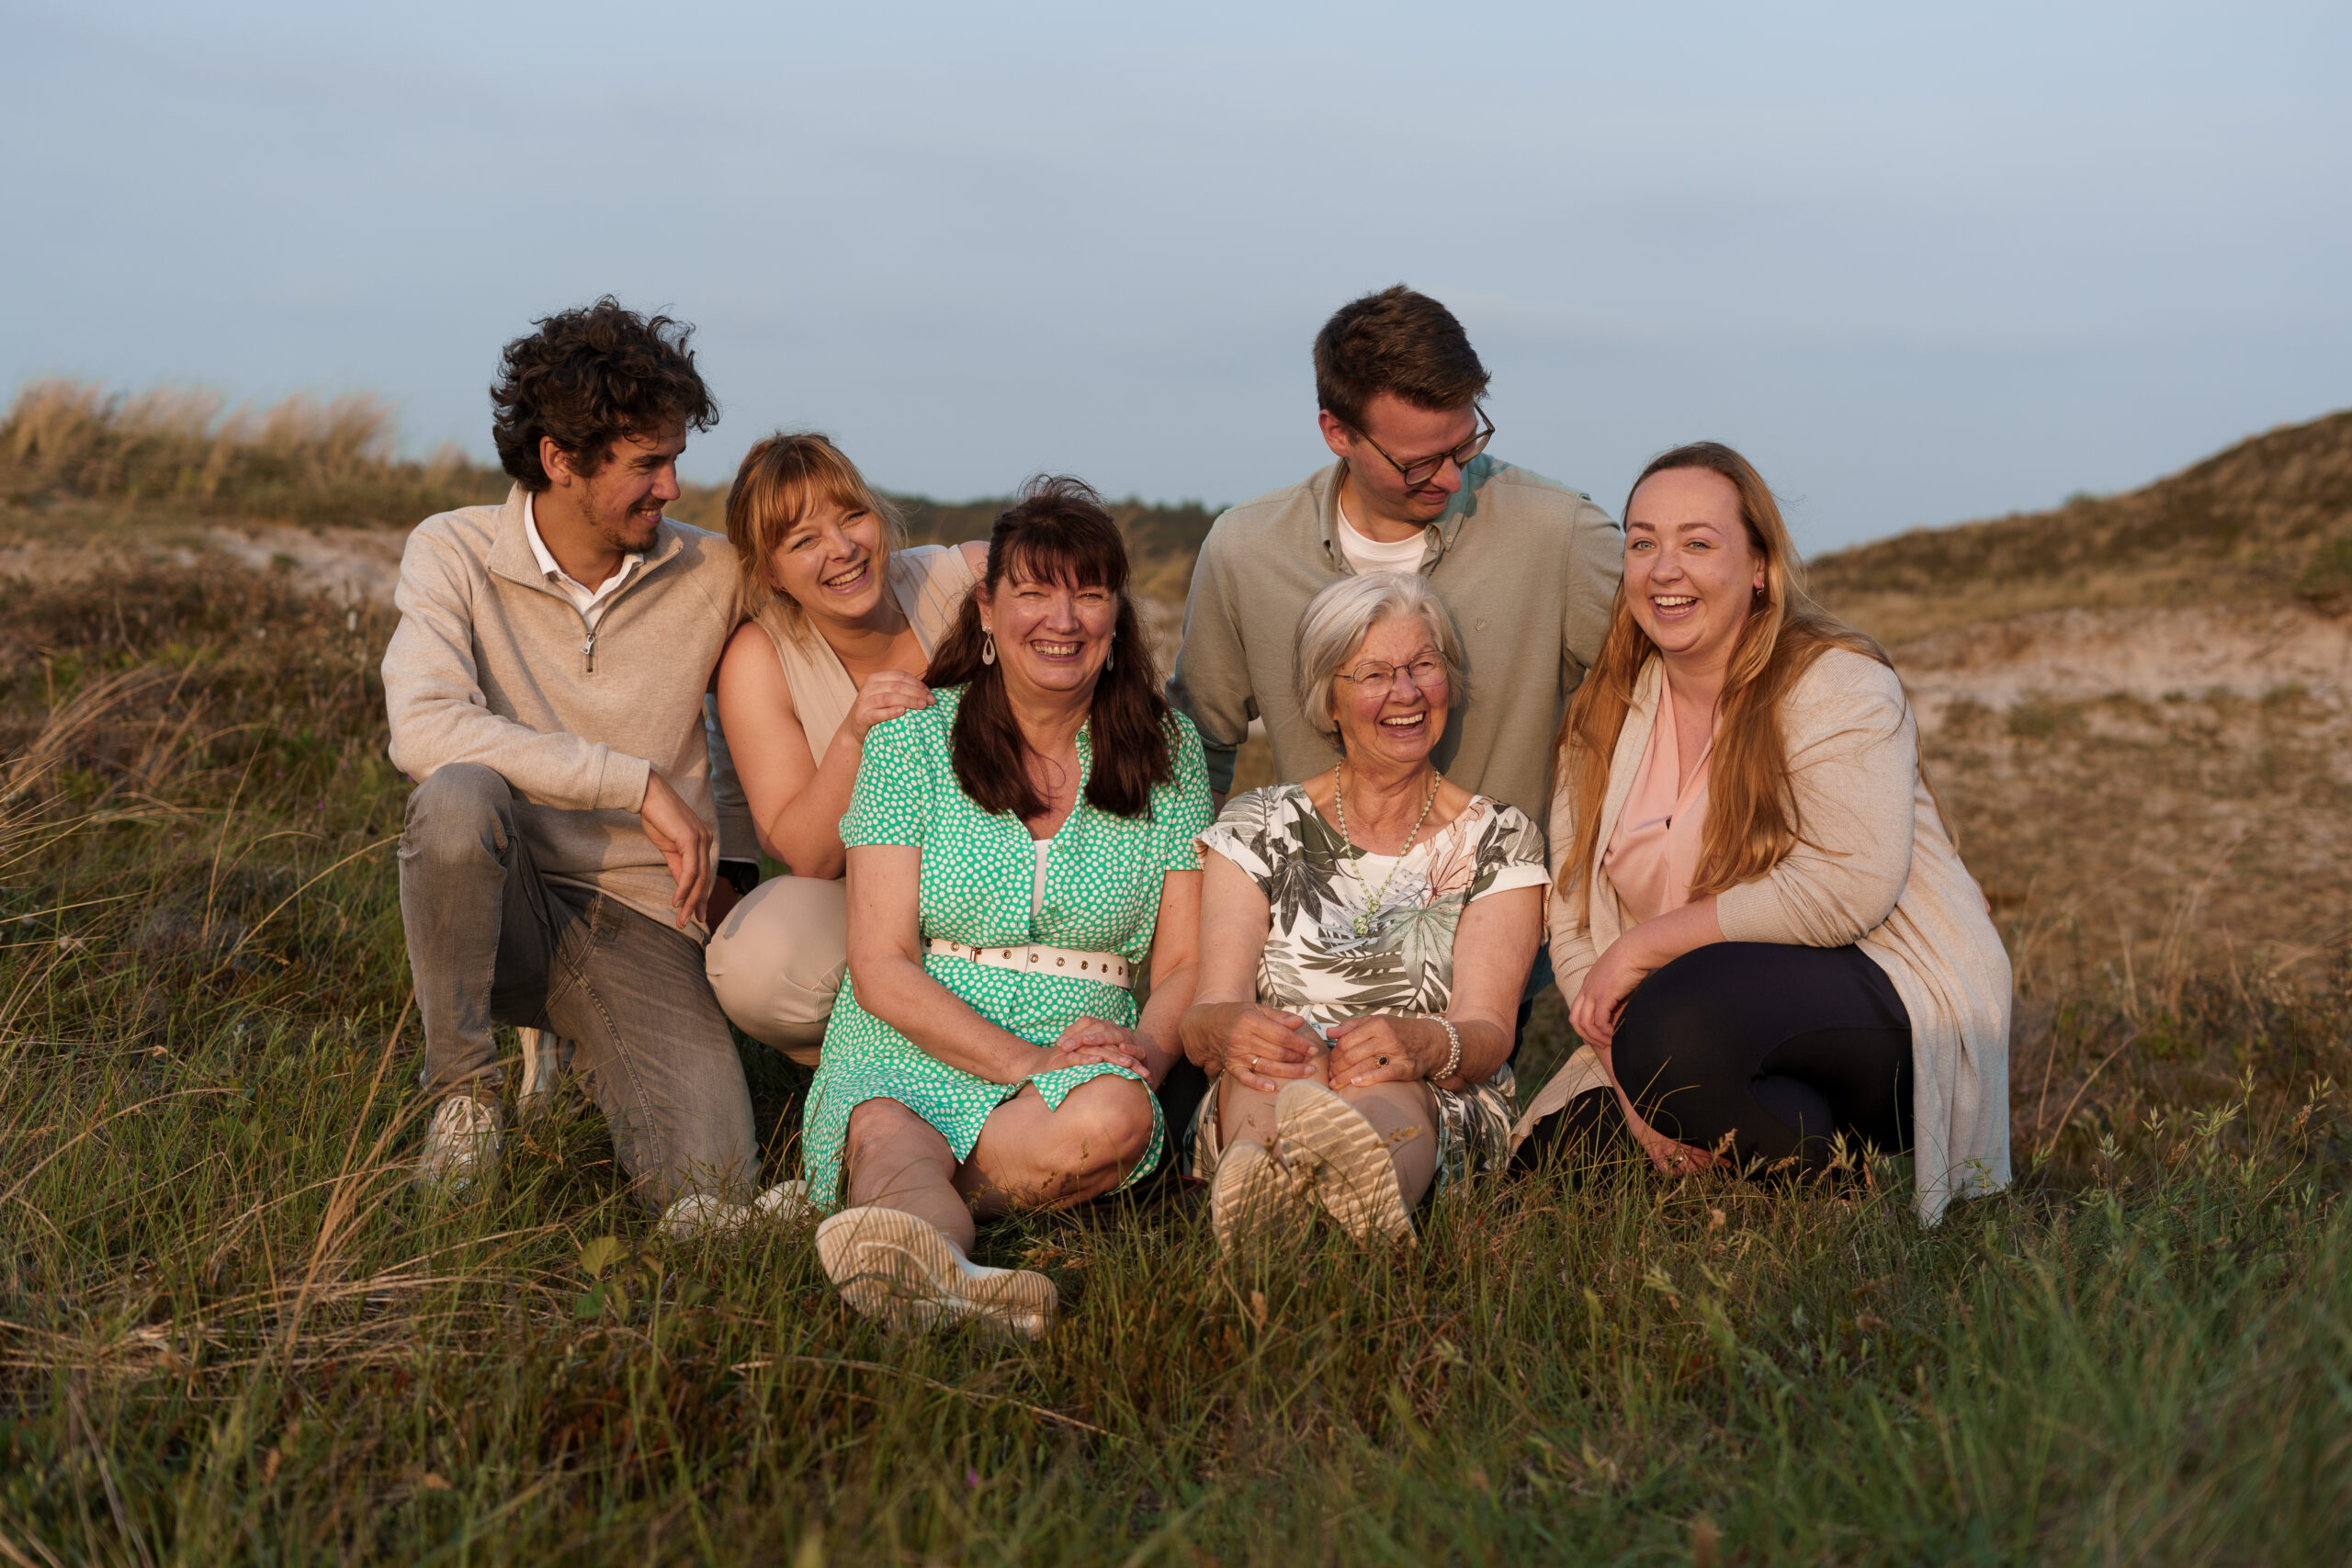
<point>491,664</point>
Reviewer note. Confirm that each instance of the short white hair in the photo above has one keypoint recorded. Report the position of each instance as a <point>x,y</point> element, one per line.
<point>1337,620</point>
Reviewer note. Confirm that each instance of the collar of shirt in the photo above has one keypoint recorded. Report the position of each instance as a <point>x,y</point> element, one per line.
<point>570,587</point>
<point>1436,535</point>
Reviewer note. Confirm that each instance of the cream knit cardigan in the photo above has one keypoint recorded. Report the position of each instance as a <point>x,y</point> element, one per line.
<point>1874,868</point>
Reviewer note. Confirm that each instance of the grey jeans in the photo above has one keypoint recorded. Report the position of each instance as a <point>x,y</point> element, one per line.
<point>490,940</point>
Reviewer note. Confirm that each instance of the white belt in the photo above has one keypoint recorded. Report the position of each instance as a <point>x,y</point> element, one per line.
<point>1104,968</point>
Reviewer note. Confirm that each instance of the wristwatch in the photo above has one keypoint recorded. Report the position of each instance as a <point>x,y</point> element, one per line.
<point>741,875</point>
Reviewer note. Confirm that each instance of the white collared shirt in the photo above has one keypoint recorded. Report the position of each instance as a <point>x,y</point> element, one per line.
<point>590,602</point>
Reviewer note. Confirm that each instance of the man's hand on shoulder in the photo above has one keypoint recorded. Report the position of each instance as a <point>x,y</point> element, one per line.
<point>685,842</point>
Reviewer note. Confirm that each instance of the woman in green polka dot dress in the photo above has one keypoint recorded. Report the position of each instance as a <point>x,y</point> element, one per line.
<point>1022,855</point>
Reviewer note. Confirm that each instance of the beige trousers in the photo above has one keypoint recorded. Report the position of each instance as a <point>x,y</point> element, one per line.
<point>778,958</point>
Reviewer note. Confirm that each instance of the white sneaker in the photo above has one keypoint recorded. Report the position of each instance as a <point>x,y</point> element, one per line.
<point>1342,1162</point>
<point>1256,1197</point>
<point>544,1056</point>
<point>785,1200</point>
<point>706,1213</point>
<point>460,1145</point>
<point>892,1266</point>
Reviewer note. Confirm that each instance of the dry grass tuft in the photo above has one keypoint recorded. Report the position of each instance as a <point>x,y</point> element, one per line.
<point>180,452</point>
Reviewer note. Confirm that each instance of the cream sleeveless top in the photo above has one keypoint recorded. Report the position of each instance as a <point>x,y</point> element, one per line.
<point>930,582</point>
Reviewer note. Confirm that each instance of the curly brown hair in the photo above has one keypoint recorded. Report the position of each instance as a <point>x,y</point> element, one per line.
<point>589,377</point>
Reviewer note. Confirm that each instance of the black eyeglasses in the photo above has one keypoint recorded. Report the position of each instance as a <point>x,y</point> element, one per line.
<point>1422,470</point>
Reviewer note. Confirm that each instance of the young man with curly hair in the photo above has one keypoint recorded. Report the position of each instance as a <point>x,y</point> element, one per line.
<point>562,849</point>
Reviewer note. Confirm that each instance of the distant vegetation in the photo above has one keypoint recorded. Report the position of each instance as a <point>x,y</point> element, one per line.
<point>2270,518</point>
<point>184,454</point>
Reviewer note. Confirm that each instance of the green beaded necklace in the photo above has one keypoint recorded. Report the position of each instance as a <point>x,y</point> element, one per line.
<point>1373,895</point>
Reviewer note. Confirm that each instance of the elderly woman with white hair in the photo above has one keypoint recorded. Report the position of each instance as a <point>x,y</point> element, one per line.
<point>1364,937</point>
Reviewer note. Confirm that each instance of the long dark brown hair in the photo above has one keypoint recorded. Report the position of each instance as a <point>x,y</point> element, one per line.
<point>1056,530</point>
<point>1752,818</point>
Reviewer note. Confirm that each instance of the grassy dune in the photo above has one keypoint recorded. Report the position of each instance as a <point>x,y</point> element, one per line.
<point>229,1332</point>
<point>2271,517</point>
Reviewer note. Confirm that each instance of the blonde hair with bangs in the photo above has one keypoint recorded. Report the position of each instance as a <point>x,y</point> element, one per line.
<point>781,479</point>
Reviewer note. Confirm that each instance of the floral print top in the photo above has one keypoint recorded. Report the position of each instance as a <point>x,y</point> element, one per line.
<point>1315,962</point>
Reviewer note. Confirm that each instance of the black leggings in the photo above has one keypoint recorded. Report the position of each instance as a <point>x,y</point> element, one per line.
<point>1780,1048</point>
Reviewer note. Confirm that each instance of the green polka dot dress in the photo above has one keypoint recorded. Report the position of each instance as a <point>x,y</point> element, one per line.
<point>1102,882</point>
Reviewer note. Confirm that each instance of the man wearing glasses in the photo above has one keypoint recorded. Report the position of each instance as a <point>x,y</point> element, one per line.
<point>1528,566</point>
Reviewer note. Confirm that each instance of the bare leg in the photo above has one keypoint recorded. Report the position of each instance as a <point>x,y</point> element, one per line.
<point>1248,1114</point>
<point>892,1158</point>
<point>1404,1115</point>
<point>1028,1156</point>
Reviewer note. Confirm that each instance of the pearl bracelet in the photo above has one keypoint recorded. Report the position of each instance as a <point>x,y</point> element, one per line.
<point>1453,1057</point>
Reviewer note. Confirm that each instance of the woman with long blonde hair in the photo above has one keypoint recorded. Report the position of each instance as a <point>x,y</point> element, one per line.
<point>1764,931</point>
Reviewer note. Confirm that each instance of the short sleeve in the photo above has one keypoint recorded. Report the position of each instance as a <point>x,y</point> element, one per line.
<point>891,803</point>
<point>1510,854</point>
<point>1181,809</point>
<point>1244,832</point>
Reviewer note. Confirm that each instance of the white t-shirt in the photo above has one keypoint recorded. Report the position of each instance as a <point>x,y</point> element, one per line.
<point>589,602</point>
<point>1375,555</point>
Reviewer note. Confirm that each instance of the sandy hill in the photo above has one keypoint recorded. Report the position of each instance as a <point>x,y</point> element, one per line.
<point>2135,708</point>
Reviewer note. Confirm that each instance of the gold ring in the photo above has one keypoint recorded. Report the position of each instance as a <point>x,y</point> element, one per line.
<point>1253,1064</point>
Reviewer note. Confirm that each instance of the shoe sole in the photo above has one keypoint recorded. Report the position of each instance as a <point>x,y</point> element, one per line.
<point>1350,1175</point>
<point>899,1269</point>
<point>1255,1198</point>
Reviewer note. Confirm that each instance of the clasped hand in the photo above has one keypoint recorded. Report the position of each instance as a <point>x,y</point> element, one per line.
<point>1266,1048</point>
<point>1089,1040</point>
<point>1379,1048</point>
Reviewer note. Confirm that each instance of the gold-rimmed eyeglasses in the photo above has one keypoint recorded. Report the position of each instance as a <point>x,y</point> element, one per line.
<point>1428,673</point>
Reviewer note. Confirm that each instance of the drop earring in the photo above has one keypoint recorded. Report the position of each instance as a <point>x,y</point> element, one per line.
<point>987,647</point>
<point>1109,658</point>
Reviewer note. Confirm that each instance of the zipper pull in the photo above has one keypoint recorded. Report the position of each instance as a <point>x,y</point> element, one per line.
<point>588,651</point>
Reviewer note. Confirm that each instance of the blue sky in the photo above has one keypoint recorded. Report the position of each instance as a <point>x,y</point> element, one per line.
<point>1922,263</point>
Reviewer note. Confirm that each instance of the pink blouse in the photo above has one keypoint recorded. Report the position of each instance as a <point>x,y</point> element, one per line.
<point>1654,854</point>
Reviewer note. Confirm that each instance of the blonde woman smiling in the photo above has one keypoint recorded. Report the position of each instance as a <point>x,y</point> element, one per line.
<point>844,619</point>
<point>1765,935</point>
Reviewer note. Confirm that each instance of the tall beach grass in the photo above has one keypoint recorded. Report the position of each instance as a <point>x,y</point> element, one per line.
<point>229,1332</point>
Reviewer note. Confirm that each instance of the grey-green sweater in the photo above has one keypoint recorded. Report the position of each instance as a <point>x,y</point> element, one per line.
<point>1528,566</point>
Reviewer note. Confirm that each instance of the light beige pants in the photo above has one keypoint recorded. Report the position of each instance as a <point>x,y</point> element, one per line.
<point>778,958</point>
